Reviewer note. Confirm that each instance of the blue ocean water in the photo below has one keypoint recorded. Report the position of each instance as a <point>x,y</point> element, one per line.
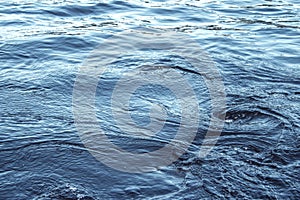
<point>254,44</point>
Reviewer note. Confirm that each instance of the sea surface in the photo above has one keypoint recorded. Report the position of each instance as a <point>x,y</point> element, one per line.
<point>255,45</point>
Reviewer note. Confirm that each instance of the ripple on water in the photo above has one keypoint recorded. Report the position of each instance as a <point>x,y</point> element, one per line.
<point>255,45</point>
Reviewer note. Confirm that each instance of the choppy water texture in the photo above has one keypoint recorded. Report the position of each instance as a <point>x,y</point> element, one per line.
<point>254,44</point>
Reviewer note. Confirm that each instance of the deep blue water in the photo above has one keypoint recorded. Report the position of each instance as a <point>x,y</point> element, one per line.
<point>254,44</point>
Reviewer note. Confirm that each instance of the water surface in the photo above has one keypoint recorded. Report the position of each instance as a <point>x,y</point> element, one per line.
<point>255,45</point>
